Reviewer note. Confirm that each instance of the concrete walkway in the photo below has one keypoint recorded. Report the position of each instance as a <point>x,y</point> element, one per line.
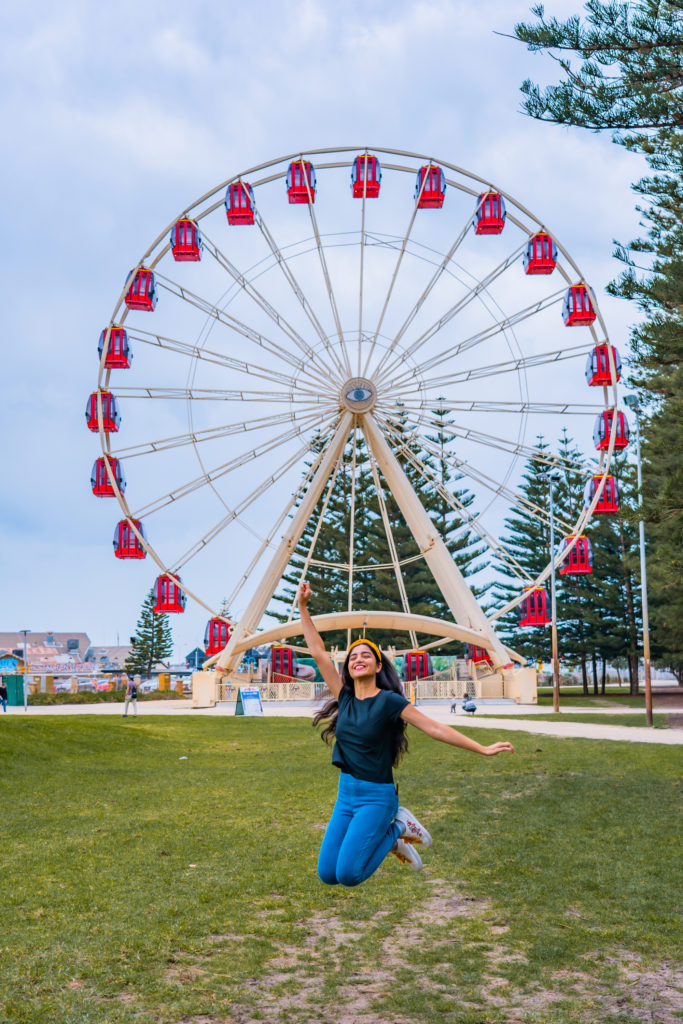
<point>439,712</point>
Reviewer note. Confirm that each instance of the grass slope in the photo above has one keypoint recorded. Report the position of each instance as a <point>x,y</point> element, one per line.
<point>163,871</point>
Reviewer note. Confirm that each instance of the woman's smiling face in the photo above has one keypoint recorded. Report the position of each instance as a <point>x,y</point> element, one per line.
<point>362,661</point>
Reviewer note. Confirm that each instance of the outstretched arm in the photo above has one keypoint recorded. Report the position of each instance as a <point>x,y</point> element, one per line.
<point>315,643</point>
<point>445,734</point>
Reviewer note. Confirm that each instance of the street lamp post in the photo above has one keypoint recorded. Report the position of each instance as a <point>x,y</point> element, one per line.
<point>634,405</point>
<point>25,631</point>
<point>552,477</point>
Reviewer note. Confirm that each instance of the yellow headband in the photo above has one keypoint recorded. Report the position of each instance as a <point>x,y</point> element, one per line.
<point>370,644</point>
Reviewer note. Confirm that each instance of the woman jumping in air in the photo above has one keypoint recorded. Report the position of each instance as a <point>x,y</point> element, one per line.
<point>367,715</point>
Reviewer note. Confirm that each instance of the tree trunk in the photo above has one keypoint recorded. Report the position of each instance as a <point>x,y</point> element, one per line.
<point>602,681</point>
<point>632,628</point>
<point>595,673</point>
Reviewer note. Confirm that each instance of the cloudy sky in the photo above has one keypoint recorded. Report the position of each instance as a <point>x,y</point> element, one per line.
<point>115,117</point>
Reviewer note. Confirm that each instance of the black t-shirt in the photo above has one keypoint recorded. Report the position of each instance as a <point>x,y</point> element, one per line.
<point>364,734</point>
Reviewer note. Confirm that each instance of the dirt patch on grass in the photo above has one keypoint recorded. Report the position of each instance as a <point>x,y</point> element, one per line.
<point>291,989</point>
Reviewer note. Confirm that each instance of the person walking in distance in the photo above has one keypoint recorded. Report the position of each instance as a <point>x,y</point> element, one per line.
<point>367,716</point>
<point>131,695</point>
<point>3,695</point>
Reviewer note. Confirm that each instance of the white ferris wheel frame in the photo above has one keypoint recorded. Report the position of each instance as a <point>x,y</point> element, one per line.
<point>470,624</point>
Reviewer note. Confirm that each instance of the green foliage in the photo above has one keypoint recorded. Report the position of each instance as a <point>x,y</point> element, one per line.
<point>629,74</point>
<point>152,641</point>
<point>165,870</point>
<point>630,78</point>
<point>596,613</point>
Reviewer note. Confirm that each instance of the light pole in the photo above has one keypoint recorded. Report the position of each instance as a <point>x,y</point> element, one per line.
<point>634,405</point>
<point>552,477</point>
<point>25,631</point>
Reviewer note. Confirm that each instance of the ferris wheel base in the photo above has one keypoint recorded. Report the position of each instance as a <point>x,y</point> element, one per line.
<point>517,682</point>
<point>210,688</point>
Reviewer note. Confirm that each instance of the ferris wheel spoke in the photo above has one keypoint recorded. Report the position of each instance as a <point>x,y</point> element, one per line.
<point>402,450</point>
<point>393,552</point>
<point>397,267</point>
<point>286,513</point>
<point>223,395</point>
<point>489,332</point>
<point>516,500</point>
<point>493,369</point>
<point>258,298</point>
<point>501,443</point>
<point>240,509</point>
<point>454,310</point>
<point>316,534</point>
<point>328,284</point>
<point>233,323</point>
<point>223,470</point>
<point>543,408</point>
<point>362,265</point>
<point>212,434</point>
<point>352,526</point>
<point>218,358</point>
<point>299,294</point>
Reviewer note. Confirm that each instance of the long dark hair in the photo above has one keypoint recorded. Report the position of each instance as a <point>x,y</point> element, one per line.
<point>387,679</point>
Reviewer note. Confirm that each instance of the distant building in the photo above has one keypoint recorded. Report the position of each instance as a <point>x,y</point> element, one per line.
<point>50,652</point>
<point>110,657</point>
<point>195,659</point>
<point>10,664</point>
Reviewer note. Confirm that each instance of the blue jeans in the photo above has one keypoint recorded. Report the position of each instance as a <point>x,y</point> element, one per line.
<point>360,832</point>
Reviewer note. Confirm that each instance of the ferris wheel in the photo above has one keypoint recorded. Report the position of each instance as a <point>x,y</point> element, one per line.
<point>289,313</point>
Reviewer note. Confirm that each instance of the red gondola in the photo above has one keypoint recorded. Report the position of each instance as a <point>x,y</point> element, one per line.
<point>168,595</point>
<point>216,635</point>
<point>365,184</point>
<point>603,429</point>
<point>301,182</point>
<point>186,242</point>
<point>99,478</point>
<point>417,666</point>
<point>489,216</point>
<point>597,366</point>
<point>475,653</point>
<point>126,542</point>
<point>577,309</point>
<point>608,501</point>
<point>239,203</point>
<point>541,254</point>
<point>430,197</point>
<point>533,611</point>
<point>141,292</point>
<point>110,413</point>
<point>119,356</point>
<point>282,664</point>
<point>579,561</point>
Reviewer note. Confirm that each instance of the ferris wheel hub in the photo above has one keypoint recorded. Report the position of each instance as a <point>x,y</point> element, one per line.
<point>358,395</point>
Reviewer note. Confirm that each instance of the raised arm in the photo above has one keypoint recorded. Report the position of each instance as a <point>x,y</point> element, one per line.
<point>445,734</point>
<point>315,644</point>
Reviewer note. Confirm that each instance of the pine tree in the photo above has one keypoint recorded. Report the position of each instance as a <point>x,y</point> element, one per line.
<point>629,79</point>
<point>630,72</point>
<point>152,641</point>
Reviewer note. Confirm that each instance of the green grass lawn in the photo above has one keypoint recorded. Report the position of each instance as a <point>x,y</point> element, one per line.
<point>162,871</point>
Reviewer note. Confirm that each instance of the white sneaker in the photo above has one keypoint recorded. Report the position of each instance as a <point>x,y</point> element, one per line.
<point>407,854</point>
<point>413,831</point>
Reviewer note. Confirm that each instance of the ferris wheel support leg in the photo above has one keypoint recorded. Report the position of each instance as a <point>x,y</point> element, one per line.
<point>229,659</point>
<point>449,579</point>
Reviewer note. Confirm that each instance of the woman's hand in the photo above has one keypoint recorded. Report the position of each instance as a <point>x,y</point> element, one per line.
<point>498,748</point>
<point>304,594</point>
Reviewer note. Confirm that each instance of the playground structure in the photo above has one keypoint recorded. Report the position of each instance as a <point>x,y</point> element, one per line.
<point>422,326</point>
